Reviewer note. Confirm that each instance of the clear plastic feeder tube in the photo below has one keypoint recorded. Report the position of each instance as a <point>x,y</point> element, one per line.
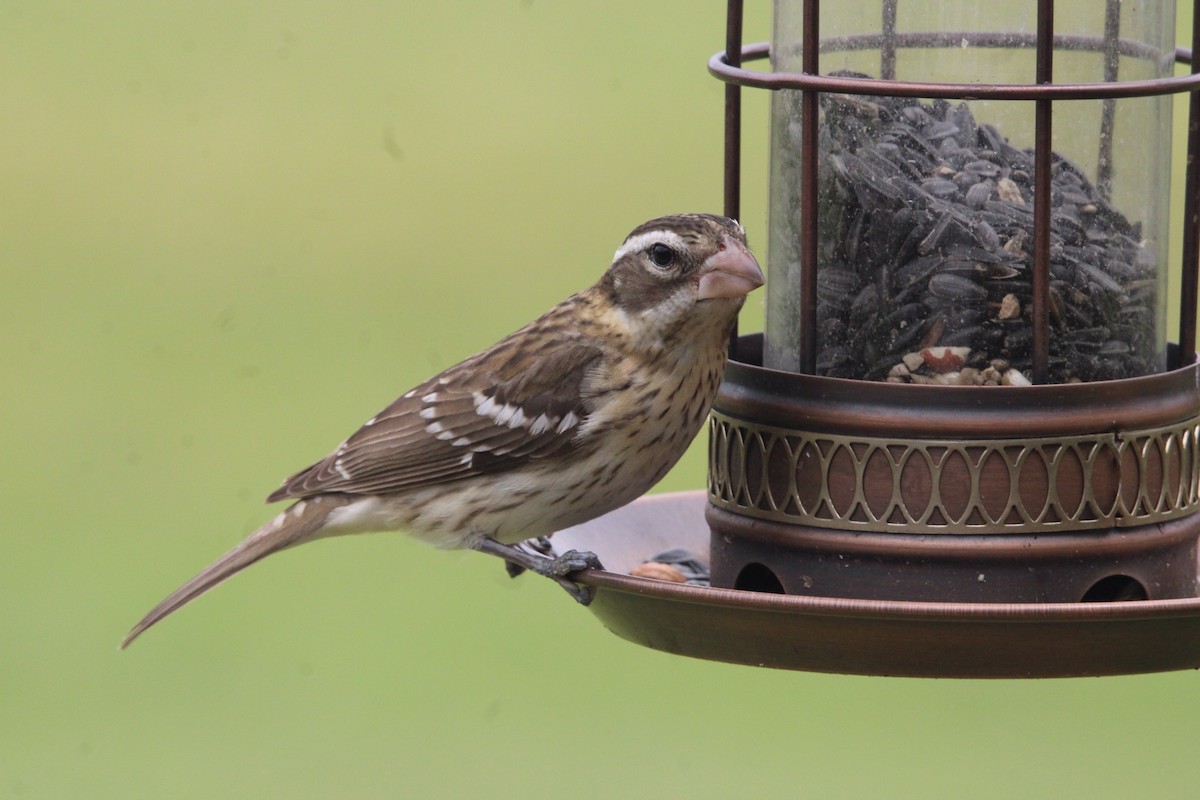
<point>925,208</point>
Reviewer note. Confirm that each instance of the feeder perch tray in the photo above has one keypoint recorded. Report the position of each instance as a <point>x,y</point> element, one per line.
<point>867,637</point>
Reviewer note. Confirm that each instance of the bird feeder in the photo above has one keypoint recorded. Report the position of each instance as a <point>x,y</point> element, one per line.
<point>965,444</point>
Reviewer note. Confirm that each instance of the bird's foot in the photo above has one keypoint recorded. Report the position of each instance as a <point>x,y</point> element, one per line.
<point>569,562</point>
<point>539,545</point>
<point>557,568</point>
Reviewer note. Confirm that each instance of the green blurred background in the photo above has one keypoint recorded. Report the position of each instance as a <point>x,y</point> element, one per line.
<point>231,232</point>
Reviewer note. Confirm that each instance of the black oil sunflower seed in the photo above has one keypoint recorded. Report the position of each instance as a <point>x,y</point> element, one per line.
<point>926,218</point>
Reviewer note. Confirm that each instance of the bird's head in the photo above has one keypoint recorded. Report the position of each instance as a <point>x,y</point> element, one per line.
<point>683,266</point>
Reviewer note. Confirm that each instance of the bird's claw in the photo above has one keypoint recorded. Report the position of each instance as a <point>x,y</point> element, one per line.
<point>557,568</point>
<point>537,556</point>
<point>582,593</point>
<point>569,562</point>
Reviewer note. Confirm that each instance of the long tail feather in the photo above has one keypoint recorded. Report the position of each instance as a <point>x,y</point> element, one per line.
<point>298,523</point>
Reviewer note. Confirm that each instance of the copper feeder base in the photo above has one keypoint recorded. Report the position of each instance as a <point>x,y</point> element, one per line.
<point>865,637</point>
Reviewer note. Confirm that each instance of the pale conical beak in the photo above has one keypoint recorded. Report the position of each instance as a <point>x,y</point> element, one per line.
<point>731,272</point>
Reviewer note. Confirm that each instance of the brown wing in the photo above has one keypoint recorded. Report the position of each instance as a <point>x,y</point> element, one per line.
<point>494,411</point>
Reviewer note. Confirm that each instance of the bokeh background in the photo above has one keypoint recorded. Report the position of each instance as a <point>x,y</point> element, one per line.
<point>229,233</point>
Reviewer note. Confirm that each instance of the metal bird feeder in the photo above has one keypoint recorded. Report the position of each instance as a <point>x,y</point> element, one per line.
<point>964,445</point>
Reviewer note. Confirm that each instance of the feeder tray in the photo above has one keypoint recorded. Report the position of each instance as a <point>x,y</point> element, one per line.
<point>857,636</point>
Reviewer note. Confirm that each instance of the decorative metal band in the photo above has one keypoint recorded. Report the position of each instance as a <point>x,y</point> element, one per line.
<point>921,486</point>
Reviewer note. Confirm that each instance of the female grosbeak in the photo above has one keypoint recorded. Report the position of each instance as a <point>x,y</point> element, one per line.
<point>576,414</point>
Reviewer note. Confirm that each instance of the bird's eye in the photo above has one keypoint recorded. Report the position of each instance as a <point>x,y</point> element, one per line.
<point>662,255</point>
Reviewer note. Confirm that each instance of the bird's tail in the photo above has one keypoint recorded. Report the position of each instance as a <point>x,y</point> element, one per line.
<point>297,524</point>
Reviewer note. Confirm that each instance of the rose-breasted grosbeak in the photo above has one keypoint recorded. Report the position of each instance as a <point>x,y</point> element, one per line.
<point>576,414</point>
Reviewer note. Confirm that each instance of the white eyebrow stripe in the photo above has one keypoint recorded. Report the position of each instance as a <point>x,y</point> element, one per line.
<point>643,240</point>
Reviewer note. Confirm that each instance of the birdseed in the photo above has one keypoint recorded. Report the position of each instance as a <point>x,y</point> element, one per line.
<point>926,229</point>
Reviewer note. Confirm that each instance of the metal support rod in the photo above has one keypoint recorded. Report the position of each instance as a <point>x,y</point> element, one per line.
<point>887,65</point>
<point>1191,214</point>
<point>1043,142</point>
<point>809,120</point>
<point>1108,111</point>
<point>733,130</point>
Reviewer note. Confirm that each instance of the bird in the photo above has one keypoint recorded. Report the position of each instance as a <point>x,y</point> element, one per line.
<point>576,414</point>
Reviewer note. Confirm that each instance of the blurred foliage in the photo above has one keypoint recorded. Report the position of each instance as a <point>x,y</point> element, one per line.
<point>231,232</point>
